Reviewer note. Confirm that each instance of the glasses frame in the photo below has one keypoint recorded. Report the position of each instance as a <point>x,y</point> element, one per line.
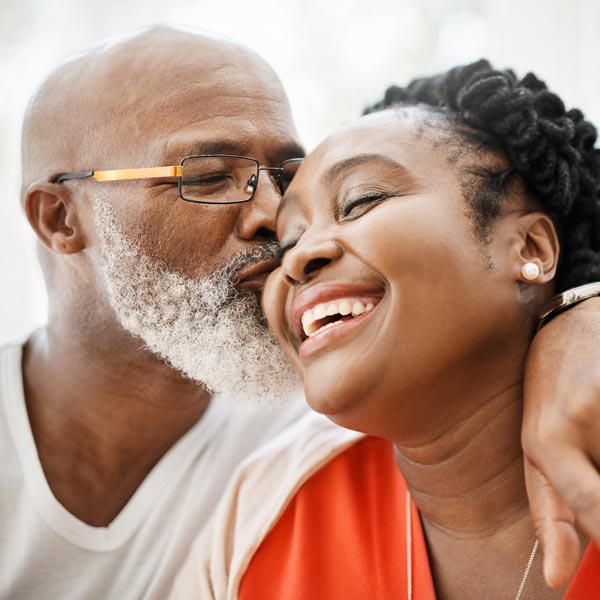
<point>176,171</point>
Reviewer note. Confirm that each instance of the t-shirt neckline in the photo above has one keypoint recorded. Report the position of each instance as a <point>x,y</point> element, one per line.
<point>171,467</point>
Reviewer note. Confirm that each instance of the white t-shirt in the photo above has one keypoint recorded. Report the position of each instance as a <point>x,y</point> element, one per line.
<point>46,552</point>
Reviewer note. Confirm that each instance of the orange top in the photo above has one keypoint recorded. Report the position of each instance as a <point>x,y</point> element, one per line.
<point>343,536</point>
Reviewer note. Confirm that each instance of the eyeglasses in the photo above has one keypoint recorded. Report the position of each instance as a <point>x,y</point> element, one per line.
<point>206,179</point>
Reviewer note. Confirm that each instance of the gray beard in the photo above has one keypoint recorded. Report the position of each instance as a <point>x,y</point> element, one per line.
<point>205,328</point>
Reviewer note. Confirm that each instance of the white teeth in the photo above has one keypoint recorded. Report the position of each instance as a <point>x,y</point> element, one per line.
<point>307,318</point>
<point>343,307</point>
<point>358,308</point>
<point>319,312</point>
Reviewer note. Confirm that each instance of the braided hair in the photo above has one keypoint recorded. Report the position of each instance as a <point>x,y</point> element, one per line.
<point>552,150</point>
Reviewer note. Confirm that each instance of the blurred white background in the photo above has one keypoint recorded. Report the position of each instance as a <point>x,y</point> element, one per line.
<point>333,56</point>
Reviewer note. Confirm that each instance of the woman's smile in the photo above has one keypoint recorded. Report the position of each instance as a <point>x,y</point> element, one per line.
<point>324,314</point>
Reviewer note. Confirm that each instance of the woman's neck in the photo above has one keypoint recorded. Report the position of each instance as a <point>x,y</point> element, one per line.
<point>469,480</point>
<point>469,486</point>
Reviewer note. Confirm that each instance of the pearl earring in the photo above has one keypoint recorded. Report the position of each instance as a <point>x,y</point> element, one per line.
<point>530,271</point>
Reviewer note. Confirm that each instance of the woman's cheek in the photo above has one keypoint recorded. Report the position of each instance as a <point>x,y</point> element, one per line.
<point>276,296</point>
<point>271,305</point>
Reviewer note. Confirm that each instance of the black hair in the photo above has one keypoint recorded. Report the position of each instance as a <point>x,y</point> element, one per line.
<point>552,150</point>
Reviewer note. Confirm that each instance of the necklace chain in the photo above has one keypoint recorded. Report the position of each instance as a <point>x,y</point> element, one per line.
<point>409,586</point>
<point>529,563</point>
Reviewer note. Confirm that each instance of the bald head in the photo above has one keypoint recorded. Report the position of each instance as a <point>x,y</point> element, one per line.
<point>119,101</point>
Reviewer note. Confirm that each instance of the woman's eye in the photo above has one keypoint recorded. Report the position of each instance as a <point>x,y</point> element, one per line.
<point>357,206</point>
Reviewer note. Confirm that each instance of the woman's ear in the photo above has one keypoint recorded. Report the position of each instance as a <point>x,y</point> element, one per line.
<point>539,249</point>
<point>52,214</point>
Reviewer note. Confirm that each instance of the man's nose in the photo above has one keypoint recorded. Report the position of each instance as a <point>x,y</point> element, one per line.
<point>256,220</point>
<point>308,257</point>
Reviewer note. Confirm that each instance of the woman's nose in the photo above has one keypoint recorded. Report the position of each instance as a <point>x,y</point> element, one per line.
<point>307,258</point>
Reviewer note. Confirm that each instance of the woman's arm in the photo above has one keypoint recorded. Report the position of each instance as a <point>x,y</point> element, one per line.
<point>561,435</point>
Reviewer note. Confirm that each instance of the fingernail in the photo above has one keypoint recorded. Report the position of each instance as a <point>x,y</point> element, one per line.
<point>548,569</point>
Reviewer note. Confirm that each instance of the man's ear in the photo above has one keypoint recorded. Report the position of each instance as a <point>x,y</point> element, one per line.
<point>51,212</point>
<point>538,244</point>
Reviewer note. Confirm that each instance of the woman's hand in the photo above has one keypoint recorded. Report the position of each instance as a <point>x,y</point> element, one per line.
<point>561,436</point>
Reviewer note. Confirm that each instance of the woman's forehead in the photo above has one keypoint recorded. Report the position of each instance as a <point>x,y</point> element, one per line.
<point>389,146</point>
<point>396,136</point>
<point>387,132</point>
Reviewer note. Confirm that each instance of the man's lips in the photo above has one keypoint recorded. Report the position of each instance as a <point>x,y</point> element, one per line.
<point>255,275</point>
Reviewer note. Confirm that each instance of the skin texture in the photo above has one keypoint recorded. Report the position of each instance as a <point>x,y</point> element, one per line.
<point>88,382</point>
<point>437,365</point>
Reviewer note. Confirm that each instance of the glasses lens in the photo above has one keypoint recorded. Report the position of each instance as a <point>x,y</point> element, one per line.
<point>218,179</point>
<point>288,170</point>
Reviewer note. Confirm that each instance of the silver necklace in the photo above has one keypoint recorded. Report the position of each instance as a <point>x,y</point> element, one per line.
<point>409,554</point>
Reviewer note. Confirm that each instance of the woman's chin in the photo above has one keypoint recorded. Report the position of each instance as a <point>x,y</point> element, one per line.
<point>332,405</point>
<point>344,407</point>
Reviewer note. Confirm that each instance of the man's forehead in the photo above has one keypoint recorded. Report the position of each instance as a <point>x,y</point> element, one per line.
<point>261,147</point>
<point>130,101</point>
<point>221,99</point>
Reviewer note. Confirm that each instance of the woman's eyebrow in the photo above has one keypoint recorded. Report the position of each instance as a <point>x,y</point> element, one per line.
<point>339,168</point>
<point>343,166</point>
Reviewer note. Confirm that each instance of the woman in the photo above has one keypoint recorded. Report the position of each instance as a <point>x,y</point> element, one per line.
<point>419,245</point>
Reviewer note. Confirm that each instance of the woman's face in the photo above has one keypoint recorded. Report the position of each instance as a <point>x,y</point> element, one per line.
<point>387,303</point>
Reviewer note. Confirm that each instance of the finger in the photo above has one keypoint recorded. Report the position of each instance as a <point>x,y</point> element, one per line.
<point>561,562</point>
<point>577,481</point>
<point>554,524</point>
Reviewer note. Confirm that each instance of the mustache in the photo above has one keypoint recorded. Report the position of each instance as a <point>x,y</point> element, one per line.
<point>245,258</point>
<point>227,277</point>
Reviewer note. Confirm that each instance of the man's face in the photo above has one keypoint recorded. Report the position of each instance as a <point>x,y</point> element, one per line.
<point>185,277</point>
<point>217,103</point>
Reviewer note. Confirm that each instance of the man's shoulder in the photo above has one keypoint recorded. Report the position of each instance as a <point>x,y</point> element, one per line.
<point>272,475</point>
<point>257,495</point>
<point>306,441</point>
<point>263,422</point>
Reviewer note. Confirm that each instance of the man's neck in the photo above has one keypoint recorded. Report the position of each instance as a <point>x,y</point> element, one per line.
<point>103,411</point>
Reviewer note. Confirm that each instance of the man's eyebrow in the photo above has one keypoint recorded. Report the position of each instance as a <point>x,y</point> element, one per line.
<point>347,164</point>
<point>218,146</point>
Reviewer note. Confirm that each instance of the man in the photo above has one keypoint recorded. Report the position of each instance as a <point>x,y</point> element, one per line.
<point>132,454</point>
<point>118,437</point>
